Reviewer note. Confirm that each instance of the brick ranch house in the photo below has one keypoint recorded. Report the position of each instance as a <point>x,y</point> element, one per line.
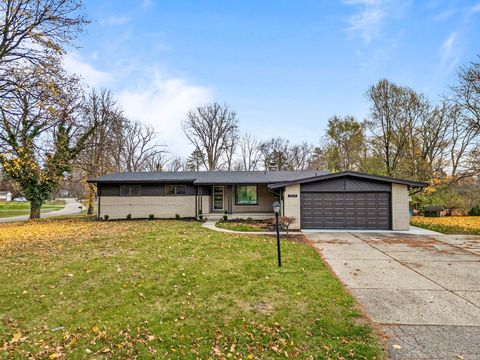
<point>316,199</point>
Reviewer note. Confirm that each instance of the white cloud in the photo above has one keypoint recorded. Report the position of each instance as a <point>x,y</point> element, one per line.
<point>114,20</point>
<point>371,16</point>
<point>450,53</point>
<point>163,102</point>
<point>151,96</point>
<point>147,3</point>
<point>74,64</point>
<point>475,9</point>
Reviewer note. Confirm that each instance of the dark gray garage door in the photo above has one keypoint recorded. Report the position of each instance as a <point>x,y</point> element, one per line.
<point>345,210</point>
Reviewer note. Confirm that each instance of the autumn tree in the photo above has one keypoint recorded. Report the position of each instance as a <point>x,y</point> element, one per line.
<point>345,143</point>
<point>37,31</point>
<point>394,113</point>
<point>300,154</point>
<point>41,132</point>
<point>212,130</point>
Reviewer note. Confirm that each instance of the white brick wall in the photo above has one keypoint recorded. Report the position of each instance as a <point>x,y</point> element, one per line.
<point>400,213</point>
<point>292,204</point>
<point>117,207</point>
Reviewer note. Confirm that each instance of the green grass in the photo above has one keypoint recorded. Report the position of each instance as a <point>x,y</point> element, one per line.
<point>169,289</point>
<point>238,226</point>
<point>9,209</point>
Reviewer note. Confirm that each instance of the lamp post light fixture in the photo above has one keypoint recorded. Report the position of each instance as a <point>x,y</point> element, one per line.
<point>276,209</point>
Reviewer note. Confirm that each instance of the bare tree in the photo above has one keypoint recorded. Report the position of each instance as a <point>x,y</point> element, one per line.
<point>467,92</point>
<point>177,164</point>
<point>99,108</point>
<point>300,156</point>
<point>157,162</point>
<point>250,152</point>
<point>35,31</point>
<point>139,146</point>
<point>211,128</point>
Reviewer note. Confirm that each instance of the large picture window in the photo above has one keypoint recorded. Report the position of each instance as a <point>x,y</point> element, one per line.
<point>175,189</point>
<point>130,190</point>
<point>246,195</point>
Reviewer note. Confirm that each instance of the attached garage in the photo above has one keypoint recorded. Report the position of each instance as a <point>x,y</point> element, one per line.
<point>348,200</point>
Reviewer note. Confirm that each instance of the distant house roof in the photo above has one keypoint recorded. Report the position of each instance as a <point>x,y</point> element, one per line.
<point>208,177</point>
<point>327,176</point>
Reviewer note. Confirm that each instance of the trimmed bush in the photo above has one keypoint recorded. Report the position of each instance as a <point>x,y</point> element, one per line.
<point>177,216</point>
<point>129,216</point>
<point>474,211</point>
<point>151,216</point>
<point>105,217</point>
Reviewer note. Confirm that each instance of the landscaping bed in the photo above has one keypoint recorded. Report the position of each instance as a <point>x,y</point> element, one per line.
<point>469,225</point>
<point>79,288</point>
<point>250,225</point>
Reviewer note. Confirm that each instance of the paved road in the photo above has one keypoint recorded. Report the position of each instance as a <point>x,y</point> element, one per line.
<point>423,290</point>
<point>72,207</point>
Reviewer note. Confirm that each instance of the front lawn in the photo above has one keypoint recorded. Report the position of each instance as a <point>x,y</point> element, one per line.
<point>9,209</point>
<point>449,224</point>
<point>80,288</point>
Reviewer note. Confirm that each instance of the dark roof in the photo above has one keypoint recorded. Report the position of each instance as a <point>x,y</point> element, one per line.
<point>352,174</point>
<point>208,177</point>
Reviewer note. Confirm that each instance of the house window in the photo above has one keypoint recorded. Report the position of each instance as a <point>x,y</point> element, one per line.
<point>246,195</point>
<point>175,189</point>
<point>130,190</point>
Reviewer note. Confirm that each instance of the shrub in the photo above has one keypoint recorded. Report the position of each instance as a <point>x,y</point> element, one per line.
<point>225,217</point>
<point>105,217</point>
<point>151,216</point>
<point>249,219</point>
<point>177,216</point>
<point>474,211</point>
<point>129,216</point>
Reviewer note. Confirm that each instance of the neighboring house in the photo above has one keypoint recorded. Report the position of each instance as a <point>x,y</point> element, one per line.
<point>5,196</point>
<point>316,199</point>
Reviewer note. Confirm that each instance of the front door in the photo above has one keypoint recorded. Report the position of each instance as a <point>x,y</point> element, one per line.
<point>218,198</point>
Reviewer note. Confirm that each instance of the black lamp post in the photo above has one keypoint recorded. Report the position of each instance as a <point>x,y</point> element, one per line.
<point>276,209</point>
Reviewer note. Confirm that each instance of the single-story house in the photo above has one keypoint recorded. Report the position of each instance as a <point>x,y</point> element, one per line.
<point>5,196</point>
<point>315,199</point>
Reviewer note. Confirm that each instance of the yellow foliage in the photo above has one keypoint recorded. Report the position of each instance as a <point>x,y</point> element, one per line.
<point>465,223</point>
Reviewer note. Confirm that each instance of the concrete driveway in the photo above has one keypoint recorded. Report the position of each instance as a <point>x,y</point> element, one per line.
<point>72,207</point>
<point>423,290</point>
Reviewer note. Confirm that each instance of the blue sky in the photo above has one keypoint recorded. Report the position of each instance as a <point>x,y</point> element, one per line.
<point>285,66</point>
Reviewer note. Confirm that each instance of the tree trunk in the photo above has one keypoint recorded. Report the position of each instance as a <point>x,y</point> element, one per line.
<point>90,199</point>
<point>34,210</point>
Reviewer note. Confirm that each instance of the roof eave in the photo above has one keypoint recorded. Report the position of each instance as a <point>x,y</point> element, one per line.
<point>414,184</point>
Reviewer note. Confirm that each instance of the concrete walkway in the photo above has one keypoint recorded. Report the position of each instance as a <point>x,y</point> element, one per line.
<point>72,207</point>
<point>423,290</point>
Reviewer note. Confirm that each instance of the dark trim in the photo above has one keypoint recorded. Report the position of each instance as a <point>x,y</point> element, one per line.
<point>352,174</point>
<point>235,194</point>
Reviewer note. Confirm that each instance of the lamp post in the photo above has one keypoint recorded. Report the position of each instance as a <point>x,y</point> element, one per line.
<point>276,209</point>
